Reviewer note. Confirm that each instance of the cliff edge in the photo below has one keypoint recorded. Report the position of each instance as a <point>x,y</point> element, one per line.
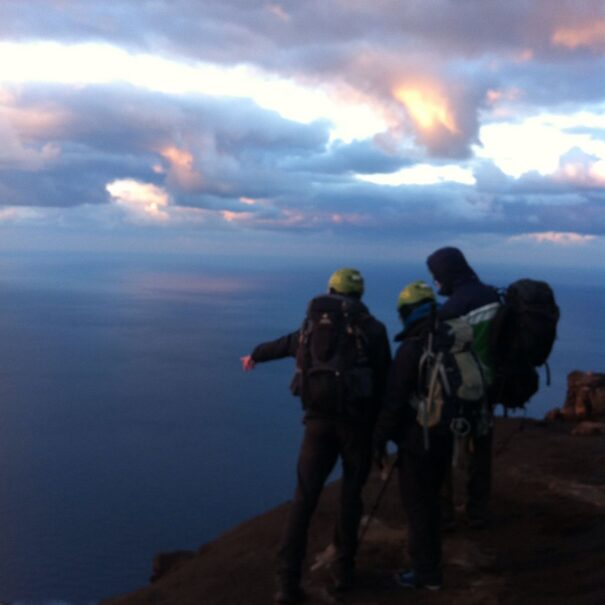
<point>545,542</point>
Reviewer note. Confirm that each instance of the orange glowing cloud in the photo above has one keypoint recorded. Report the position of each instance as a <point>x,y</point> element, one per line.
<point>17,126</point>
<point>428,108</point>
<point>235,217</point>
<point>35,122</point>
<point>182,169</point>
<point>526,55</point>
<point>495,96</point>
<point>582,174</point>
<point>591,35</point>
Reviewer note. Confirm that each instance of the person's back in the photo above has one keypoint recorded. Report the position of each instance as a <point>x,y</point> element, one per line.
<point>422,465</point>
<point>477,303</point>
<point>330,432</point>
<point>468,297</point>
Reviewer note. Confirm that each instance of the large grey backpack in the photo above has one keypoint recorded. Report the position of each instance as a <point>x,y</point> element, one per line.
<point>452,391</point>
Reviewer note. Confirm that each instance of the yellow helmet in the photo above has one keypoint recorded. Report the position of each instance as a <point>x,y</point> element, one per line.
<point>415,292</point>
<point>346,281</point>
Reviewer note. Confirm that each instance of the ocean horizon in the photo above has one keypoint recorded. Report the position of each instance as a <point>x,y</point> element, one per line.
<point>127,426</point>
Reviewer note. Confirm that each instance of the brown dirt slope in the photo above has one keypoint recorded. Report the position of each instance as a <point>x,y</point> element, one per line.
<point>545,544</point>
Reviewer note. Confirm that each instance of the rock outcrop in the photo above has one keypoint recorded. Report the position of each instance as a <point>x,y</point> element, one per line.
<point>585,398</point>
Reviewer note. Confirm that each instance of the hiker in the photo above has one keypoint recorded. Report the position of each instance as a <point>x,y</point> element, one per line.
<point>422,466</point>
<point>343,356</point>
<point>477,303</point>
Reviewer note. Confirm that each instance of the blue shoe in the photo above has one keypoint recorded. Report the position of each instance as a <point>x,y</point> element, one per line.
<point>409,579</point>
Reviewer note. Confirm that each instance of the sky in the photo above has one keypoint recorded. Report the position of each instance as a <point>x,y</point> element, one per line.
<point>368,128</point>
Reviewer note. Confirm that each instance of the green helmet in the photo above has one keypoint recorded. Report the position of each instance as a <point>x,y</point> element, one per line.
<point>413,293</point>
<point>346,281</point>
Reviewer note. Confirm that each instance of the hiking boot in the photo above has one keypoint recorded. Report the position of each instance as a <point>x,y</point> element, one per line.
<point>476,520</point>
<point>288,596</point>
<point>288,592</point>
<point>344,578</point>
<point>409,579</point>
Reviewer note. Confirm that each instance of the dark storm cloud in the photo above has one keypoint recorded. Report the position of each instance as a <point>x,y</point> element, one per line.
<point>463,63</point>
<point>104,133</point>
<point>238,30</point>
<point>546,47</point>
<point>249,166</point>
<point>362,157</point>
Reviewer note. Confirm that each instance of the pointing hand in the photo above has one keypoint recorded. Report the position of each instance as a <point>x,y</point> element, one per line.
<point>247,363</point>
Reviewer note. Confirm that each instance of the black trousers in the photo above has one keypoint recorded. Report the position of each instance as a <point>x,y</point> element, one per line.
<point>421,476</point>
<point>479,484</point>
<point>478,480</point>
<point>324,441</point>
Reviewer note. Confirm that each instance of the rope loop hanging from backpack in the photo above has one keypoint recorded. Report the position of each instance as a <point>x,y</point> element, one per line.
<point>460,428</point>
<point>427,360</point>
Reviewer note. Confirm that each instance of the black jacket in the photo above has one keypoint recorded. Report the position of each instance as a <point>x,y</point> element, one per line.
<point>378,348</point>
<point>397,414</point>
<point>459,282</point>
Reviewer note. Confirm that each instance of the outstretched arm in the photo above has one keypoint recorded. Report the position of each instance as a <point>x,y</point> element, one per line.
<point>248,364</point>
<point>286,346</point>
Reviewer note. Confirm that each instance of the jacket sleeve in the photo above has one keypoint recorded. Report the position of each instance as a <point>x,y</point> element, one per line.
<point>381,362</point>
<point>402,381</point>
<point>286,346</point>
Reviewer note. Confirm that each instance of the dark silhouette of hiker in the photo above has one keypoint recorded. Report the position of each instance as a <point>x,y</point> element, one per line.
<point>343,355</point>
<point>422,466</point>
<point>477,303</point>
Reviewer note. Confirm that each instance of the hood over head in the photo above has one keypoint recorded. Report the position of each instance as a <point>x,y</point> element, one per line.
<point>449,267</point>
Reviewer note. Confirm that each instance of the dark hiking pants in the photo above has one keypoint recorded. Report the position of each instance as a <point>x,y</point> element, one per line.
<point>421,476</point>
<point>324,441</point>
<point>478,481</point>
<point>479,484</point>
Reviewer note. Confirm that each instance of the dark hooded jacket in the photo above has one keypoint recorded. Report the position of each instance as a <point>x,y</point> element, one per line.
<point>469,298</point>
<point>459,282</point>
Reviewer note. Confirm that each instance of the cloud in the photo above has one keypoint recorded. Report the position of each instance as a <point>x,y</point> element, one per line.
<point>588,35</point>
<point>16,129</point>
<point>143,201</point>
<point>196,158</point>
<point>239,117</point>
<point>423,174</point>
<point>181,170</point>
<point>445,57</point>
<point>581,170</point>
<point>11,214</point>
<point>558,238</point>
<point>279,12</point>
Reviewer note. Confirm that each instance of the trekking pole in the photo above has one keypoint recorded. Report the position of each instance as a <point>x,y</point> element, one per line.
<point>328,556</point>
<point>385,481</point>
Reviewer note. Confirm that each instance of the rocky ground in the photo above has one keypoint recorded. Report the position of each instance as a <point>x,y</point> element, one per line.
<point>545,543</point>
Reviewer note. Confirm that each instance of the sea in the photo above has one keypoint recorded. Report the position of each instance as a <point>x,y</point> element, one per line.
<point>127,426</point>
